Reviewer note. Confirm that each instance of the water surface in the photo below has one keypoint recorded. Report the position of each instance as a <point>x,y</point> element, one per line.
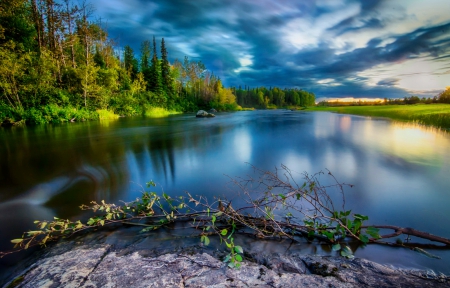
<point>400,171</point>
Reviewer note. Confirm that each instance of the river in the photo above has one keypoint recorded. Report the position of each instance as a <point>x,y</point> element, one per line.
<point>400,172</point>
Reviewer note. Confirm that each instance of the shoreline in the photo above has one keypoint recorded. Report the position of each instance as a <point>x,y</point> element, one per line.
<point>98,265</point>
<point>428,115</point>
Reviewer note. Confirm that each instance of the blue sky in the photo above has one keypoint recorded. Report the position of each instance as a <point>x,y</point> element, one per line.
<point>334,48</point>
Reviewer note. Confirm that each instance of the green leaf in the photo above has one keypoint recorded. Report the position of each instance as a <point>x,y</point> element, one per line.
<point>238,249</point>
<point>364,239</point>
<point>347,252</point>
<point>374,232</point>
<point>349,224</point>
<point>213,219</point>
<point>298,195</point>
<point>206,240</point>
<point>361,217</point>
<point>329,234</point>
<point>238,258</point>
<point>16,241</point>
<point>336,247</point>
<point>224,232</point>
<point>227,258</point>
<point>357,226</point>
<point>32,233</point>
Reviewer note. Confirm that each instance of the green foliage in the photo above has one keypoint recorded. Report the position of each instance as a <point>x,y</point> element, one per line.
<point>54,62</point>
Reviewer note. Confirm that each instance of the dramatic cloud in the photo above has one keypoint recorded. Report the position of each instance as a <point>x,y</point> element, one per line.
<point>334,48</point>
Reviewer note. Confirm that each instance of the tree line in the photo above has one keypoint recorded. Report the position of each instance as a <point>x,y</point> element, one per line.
<point>58,65</point>
<point>443,97</point>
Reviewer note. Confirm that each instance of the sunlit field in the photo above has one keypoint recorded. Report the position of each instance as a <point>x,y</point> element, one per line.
<point>437,115</point>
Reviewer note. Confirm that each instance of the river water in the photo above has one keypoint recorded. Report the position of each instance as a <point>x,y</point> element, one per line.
<point>400,172</point>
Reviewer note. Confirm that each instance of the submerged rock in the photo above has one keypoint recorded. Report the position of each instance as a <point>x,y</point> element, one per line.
<point>203,113</point>
<point>99,266</point>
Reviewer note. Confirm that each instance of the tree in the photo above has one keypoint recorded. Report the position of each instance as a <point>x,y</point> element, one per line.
<point>444,97</point>
<point>154,80</point>
<point>145,55</point>
<point>166,78</point>
<point>16,25</point>
<point>131,63</point>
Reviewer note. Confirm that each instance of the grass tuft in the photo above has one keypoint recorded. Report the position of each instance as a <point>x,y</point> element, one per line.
<point>156,112</point>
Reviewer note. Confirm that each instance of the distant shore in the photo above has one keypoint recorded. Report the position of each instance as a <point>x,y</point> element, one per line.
<point>436,115</point>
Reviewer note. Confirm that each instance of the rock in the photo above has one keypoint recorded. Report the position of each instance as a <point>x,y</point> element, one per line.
<point>212,110</point>
<point>203,113</point>
<point>99,266</point>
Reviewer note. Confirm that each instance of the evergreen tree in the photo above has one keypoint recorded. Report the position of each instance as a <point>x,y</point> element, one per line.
<point>131,64</point>
<point>166,79</point>
<point>154,80</point>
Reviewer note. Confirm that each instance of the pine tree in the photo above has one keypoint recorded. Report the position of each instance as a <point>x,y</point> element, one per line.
<point>166,79</point>
<point>131,64</point>
<point>154,80</point>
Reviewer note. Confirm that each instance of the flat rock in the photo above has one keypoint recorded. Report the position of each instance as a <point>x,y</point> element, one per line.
<point>99,266</point>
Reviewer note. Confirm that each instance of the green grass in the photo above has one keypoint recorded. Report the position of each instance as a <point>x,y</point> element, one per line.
<point>437,115</point>
<point>106,115</point>
<point>156,112</point>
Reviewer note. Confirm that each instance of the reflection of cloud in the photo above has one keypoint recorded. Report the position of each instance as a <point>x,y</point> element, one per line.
<point>344,123</point>
<point>243,145</point>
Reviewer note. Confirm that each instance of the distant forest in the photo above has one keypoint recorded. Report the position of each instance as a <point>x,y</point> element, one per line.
<point>56,65</point>
<point>443,97</point>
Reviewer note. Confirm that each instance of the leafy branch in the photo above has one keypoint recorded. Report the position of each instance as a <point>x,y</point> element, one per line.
<point>274,206</point>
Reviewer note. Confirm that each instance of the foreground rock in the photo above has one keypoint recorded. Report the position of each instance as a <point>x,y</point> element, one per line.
<point>203,114</point>
<point>99,266</point>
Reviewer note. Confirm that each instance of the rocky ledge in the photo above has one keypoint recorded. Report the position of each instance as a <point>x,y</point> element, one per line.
<point>100,266</point>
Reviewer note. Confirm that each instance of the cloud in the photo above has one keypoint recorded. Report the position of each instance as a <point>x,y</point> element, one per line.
<point>388,82</point>
<point>304,44</point>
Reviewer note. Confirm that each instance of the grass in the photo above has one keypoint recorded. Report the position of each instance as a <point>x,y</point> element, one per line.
<point>106,115</point>
<point>437,115</point>
<point>156,112</point>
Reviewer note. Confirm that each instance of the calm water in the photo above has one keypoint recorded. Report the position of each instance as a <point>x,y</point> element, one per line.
<point>400,171</point>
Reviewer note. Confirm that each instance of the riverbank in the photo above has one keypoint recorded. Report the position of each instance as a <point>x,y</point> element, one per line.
<point>77,264</point>
<point>437,115</point>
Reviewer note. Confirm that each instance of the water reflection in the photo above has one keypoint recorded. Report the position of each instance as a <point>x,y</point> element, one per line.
<point>399,170</point>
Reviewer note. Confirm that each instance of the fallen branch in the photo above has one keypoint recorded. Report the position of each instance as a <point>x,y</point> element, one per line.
<point>275,206</point>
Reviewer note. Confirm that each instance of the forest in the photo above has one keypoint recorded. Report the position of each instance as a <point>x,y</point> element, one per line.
<point>58,65</point>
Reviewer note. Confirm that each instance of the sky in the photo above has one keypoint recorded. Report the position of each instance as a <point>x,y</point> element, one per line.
<point>334,48</point>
